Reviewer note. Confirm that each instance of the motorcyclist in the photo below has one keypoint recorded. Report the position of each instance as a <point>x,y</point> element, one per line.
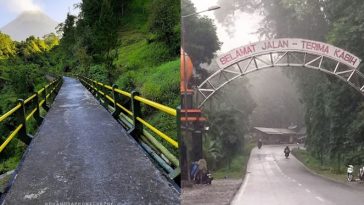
<point>287,151</point>
<point>260,143</point>
<point>194,170</point>
<point>199,172</point>
<point>361,173</point>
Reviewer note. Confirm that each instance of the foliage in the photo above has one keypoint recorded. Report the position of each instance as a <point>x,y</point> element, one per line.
<point>238,165</point>
<point>346,24</point>
<point>98,73</point>
<point>315,165</point>
<point>229,122</point>
<point>164,23</point>
<point>7,47</point>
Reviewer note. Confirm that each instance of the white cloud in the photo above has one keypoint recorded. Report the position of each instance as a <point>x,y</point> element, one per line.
<point>17,6</point>
<point>242,30</point>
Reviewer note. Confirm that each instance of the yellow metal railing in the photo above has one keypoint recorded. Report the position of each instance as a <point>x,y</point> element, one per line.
<point>28,108</point>
<point>129,113</point>
<point>153,104</point>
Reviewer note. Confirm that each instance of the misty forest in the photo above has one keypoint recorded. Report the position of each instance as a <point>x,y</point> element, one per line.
<point>329,109</point>
<point>131,43</point>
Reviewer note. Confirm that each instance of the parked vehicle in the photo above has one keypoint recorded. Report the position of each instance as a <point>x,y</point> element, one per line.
<point>199,173</point>
<point>361,173</point>
<point>350,171</point>
<point>204,178</point>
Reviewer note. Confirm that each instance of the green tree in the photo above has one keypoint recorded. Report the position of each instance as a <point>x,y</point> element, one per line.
<point>228,115</point>
<point>7,46</point>
<point>164,22</point>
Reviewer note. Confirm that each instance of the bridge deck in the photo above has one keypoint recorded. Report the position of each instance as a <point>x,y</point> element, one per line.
<point>81,154</point>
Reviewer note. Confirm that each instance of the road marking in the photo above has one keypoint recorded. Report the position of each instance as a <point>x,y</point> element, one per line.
<point>319,198</point>
<point>278,168</point>
<point>269,158</point>
<point>241,191</point>
<point>307,190</point>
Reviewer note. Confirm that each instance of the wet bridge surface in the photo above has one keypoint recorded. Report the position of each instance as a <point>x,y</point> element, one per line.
<point>81,154</point>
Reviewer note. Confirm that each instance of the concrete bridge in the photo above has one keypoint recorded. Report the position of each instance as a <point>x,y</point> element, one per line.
<point>81,153</point>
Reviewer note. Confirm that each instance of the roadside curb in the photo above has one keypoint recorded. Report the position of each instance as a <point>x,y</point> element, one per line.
<point>320,175</point>
<point>6,174</point>
<point>243,180</point>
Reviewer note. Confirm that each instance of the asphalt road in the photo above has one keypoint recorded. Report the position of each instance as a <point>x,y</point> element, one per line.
<point>274,180</point>
<point>82,155</point>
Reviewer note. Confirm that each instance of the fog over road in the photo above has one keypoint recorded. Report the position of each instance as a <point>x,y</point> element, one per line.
<point>274,180</point>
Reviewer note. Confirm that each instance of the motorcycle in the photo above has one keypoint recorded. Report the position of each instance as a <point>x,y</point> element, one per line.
<point>260,144</point>
<point>350,171</point>
<point>361,173</point>
<point>200,177</point>
<point>286,153</point>
<point>203,178</point>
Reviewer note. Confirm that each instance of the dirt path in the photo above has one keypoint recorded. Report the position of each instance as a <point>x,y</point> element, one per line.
<point>220,192</point>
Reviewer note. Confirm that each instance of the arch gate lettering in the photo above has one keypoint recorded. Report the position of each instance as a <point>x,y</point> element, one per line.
<point>285,52</point>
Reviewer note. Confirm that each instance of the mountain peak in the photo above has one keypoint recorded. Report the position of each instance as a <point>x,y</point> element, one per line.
<point>31,12</point>
<point>29,23</point>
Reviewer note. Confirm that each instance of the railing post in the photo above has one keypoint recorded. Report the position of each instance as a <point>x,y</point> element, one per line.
<point>90,84</point>
<point>178,123</point>
<point>116,98</point>
<point>97,94</point>
<point>181,146</point>
<point>51,86</point>
<point>21,118</point>
<point>104,103</point>
<point>37,116</point>
<point>53,91</point>
<point>137,130</point>
<point>59,85</point>
<point>85,83</point>
<point>45,106</point>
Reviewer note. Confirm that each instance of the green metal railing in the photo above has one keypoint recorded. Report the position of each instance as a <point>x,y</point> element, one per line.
<point>28,108</point>
<point>126,107</point>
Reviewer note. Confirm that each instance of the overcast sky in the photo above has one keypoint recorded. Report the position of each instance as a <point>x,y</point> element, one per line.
<point>56,9</point>
<point>244,25</point>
